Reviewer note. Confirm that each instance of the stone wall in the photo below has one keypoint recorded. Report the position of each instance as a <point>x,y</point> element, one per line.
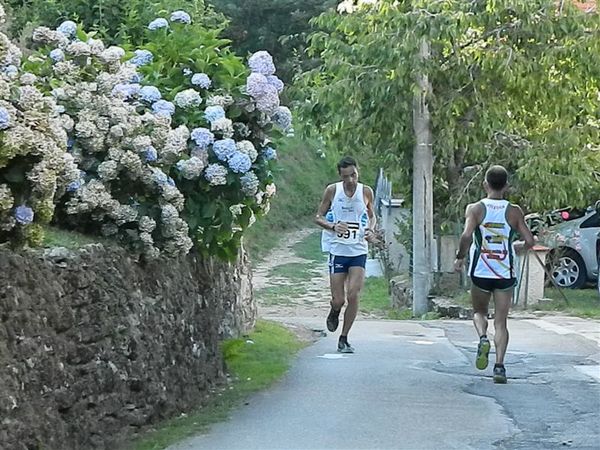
<point>95,345</point>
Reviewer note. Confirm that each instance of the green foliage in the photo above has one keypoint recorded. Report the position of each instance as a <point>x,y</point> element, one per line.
<point>513,82</point>
<point>582,302</point>
<point>114,21</point>
<point>278,26</point>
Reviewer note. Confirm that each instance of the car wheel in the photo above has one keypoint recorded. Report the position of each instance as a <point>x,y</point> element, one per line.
<point>568,270</point>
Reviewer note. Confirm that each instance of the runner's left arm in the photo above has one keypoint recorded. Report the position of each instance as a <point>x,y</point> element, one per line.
<point>369,201</point>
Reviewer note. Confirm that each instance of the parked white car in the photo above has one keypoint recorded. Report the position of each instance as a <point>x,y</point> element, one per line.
<point>574,258</point>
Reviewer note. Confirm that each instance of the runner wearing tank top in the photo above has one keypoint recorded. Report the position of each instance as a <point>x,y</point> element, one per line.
<point>347,217</point>
<point>491,226</point>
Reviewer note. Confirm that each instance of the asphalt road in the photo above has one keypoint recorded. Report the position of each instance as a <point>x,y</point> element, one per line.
<point>413,385</point>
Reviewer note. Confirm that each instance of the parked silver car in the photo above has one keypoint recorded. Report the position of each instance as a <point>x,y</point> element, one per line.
<point>574,258</point>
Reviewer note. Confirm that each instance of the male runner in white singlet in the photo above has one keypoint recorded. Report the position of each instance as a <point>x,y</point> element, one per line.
<point>490,229</point>
<point>348,205</point>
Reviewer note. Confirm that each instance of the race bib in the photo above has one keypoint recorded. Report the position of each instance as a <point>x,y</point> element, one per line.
<point>351,236</point>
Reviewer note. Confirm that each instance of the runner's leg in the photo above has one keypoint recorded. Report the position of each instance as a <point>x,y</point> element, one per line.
<point>502,300</point>
<point>356,281</point>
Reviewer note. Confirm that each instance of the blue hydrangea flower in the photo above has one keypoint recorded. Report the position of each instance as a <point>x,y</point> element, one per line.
<point>10,71</point>
<point>201,80</point>
<point>23,214</point>
<point>276,82</point>
<point>149,94</point>
<point>214,113</point>
<point>70,142</point>
<point>57,55</point>
<point>163,108</point>
<point>157,24</point>
<point>283,117</point>
<point>202,137</point>
<point>4,119</point>
<point>150,154</point>
<point>170,181</point>
<point>125,90</point>
<point>159,176</point>
<point>239,162</point>
<point>141,58</point>
<point>249,183</point>
<point>224,149</point>
<point>67,28</point>
<point>261,62</point>
<point>181,17</point>
<point>136,78</point>
<point>269,153</point>
<point>74,186</point>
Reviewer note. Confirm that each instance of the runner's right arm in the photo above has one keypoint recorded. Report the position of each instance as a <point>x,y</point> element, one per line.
<point>324,207</point>
<point>473,218</point>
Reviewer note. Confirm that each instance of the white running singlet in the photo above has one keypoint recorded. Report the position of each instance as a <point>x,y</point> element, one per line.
<point>492,252</point>
<point>353,211</point>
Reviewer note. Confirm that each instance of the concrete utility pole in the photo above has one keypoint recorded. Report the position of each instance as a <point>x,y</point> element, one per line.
<point>422,192</point>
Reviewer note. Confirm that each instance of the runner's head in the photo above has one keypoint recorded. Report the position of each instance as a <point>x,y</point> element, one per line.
<point>496,178</point>
<point>348,170</point>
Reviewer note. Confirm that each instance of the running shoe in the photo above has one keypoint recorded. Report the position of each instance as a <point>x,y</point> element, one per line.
<point>333,320</point>
<point>483,351</point>
<point>499,375</point>
<point>345,347</point>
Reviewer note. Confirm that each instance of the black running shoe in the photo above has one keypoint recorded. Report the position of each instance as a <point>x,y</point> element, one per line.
<point>345,347</point>
<point>333,320</point>
<point>499,375</point>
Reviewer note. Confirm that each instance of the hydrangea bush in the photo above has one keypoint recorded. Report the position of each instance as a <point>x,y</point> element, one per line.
<point>234,116</point>
<point>34,167</point>
<point>175,140</point>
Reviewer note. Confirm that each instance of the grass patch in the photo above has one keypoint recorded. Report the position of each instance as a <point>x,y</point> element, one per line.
<point>279,295</point>
<point>310,248</point>
<point>293,271</point>
<point>56,237</point>
<point>582,302</point>
<point>375,296</point>
<point>253,367</point>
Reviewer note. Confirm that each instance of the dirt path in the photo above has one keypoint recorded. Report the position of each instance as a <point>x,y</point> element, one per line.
<point>288,286</point>
<point>282,295</point>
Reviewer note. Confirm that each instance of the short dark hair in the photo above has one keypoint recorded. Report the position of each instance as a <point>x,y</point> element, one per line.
<point>346,161</point>
<point>496,177</point>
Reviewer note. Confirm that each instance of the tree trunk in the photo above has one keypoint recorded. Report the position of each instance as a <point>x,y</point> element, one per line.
<point>422,194</point>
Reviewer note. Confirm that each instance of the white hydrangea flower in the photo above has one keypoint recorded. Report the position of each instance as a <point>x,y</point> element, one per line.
<point>248,148</point>
<point>78,48</point>
<point>112,54</point>
<point>147,224</point>
<point>108,170</point>
<point>187,99</point>
<point>223,126</point>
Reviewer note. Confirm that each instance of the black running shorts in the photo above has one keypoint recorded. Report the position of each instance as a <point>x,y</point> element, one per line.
<point>494,284</point>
